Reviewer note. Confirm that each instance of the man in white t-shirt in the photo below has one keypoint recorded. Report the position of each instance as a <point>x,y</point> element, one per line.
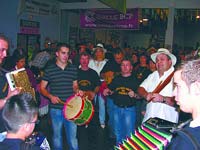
<point>160,104</point>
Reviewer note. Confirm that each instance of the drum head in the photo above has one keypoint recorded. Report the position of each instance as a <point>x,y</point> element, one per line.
<point>72,107</point>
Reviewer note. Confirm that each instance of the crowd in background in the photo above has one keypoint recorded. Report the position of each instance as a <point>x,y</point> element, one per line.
<point>102,59</point>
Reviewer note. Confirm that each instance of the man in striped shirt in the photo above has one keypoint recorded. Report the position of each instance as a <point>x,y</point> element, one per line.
<point>61,77</point>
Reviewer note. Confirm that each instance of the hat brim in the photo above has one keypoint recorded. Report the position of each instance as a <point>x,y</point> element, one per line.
<point>104,50</point>
<point>173,57</point>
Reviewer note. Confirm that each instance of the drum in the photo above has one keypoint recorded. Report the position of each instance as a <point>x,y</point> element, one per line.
<point>79,110</point>
<point>146,137</point>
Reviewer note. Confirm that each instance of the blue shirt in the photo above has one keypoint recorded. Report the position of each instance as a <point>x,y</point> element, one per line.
<point>183,143</point>
<point>14,144</point>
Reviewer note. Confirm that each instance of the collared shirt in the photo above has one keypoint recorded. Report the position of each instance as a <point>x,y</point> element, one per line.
<point>151,82</point>
<point>157,109</point>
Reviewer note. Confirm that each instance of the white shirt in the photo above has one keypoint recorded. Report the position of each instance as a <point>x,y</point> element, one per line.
<point>157,109</point>
<point>97,65</point>
<point>195,123</point>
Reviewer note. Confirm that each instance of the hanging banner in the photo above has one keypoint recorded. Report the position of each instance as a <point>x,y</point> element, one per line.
<point>29,27</point>
<point>109,19</point>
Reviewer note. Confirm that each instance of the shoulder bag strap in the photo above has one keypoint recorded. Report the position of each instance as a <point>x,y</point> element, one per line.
<point>185,133</point>
<point>163,84</point>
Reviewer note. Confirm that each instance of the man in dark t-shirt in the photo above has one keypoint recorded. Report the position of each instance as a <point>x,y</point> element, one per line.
<point>123,91</point>
<point>88,86</point>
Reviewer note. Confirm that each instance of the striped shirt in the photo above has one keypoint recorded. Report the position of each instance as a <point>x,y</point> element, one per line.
<point>60,81</point>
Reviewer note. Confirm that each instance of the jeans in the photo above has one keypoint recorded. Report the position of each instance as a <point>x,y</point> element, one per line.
<point>102,111</point>
<point>70,130</point>
<point>124,122</point>
<point>110,110</point>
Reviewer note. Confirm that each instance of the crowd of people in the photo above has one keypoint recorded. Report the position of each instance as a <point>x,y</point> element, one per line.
<point>125,87</point>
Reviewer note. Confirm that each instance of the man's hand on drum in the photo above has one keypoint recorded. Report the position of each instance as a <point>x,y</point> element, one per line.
<point>107,92</point>
<point>80,93</point>
<point>55,99</point>
<point>89,94</point>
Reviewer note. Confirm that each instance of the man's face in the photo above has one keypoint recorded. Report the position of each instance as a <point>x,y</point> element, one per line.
<point>3,50</point>
<point>84,61</point>
<point>118,58</point>
<point>163,63</point>
<point>182,92</point>
<point>63,55</point>
<point>143,60</point>
<point>126,67</point>
<point>99,54</point>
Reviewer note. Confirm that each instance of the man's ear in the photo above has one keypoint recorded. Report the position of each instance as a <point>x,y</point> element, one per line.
<point>26,127</point>
<point>195,88</point>
<point>56,53</point>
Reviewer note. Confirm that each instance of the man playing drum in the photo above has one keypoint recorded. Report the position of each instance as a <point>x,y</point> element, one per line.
<point>88,86</point>
<point>160,103</point>
<point>61,77</point>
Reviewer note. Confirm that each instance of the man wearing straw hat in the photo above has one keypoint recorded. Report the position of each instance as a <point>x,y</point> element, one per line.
<point>157,88</point>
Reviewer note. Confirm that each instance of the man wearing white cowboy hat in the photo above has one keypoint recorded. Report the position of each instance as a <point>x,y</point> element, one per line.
<point>98,61</point>
<point>157,88</point>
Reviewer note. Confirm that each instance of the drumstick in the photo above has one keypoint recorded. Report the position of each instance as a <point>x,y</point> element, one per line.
<point>61,102</point>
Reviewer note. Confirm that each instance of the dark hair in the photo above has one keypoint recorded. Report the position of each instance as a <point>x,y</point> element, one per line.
<point>126,58</point>
<point>84,54</point>
<point>59,45</point>
<point>19,56</point>
<point>18,110</point>
<point>117,51</point>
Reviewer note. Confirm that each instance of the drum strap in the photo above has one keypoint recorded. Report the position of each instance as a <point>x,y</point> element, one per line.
<point>161,85</point>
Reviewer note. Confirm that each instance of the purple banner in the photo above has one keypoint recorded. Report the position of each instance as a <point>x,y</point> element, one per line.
<point>109,19</point>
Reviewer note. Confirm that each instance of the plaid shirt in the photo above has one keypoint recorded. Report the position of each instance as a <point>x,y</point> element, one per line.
<point>41,59</point>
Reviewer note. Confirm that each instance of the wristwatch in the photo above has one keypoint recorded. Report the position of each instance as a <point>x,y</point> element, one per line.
<point>164,99</point>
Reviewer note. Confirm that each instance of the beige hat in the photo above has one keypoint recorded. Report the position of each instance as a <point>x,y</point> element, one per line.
<point>100,46</point>
<point>166,52</point>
